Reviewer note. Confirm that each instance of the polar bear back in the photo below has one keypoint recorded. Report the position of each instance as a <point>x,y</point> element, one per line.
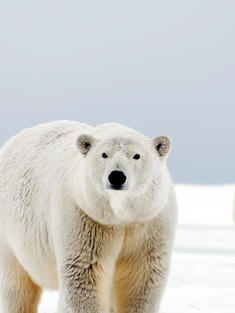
<point>30,162</point>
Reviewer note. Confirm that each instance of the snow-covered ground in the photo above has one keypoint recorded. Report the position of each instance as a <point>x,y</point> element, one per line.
<point>202,278</point>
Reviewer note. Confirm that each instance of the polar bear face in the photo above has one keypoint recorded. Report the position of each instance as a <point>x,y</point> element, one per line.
<point>124,170</point>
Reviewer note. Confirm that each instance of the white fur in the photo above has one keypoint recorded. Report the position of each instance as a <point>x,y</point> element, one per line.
<point>63,227</point>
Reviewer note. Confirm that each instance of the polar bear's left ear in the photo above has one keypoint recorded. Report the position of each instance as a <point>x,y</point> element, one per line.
<point>84,143</point>
<point>163,145</point>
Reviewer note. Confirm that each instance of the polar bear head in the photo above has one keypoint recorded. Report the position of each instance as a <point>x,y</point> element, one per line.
<point>126,175</point>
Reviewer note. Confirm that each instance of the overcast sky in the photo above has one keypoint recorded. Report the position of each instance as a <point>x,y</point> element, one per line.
<point>161,67</point>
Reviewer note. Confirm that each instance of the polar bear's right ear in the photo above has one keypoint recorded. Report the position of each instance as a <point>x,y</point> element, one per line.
<point>84,143</point>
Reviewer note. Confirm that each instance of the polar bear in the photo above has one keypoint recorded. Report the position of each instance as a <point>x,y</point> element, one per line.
<point>90,211</point>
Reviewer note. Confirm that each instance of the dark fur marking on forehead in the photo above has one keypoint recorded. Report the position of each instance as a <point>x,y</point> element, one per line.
<point>121,143</point>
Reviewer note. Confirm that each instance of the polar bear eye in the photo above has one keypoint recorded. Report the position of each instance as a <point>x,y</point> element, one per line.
<point>104,155</point>
<point>136,156</point>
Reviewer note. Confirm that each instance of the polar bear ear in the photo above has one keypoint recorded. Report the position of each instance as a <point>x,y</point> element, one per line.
<point>162,144</point>
<point>84,143</point>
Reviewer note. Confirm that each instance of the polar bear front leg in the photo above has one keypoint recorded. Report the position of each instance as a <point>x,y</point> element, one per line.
<point>79,289</point>
<point>86,252</point>
<point>141,272</point>
<point>18,293</point>
<point>140,283</point>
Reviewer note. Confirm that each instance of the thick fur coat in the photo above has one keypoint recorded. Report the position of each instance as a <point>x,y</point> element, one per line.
<point>104,242</point>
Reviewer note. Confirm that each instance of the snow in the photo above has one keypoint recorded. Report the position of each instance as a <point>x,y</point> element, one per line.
<point>202,278</point>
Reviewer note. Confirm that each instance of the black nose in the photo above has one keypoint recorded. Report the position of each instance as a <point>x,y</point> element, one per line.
<point>117,179</point>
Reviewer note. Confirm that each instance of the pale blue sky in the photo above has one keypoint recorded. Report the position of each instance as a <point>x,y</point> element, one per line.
<point>162,67</point>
